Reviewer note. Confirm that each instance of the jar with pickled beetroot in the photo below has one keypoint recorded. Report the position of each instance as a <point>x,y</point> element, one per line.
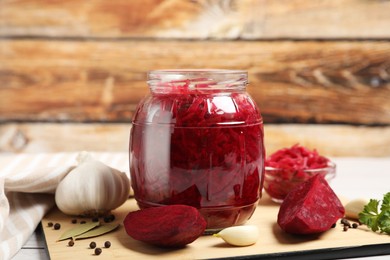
<point>197,139</point>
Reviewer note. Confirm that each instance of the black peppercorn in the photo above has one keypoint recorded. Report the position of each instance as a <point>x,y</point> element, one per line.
<point>107,244</point>
<point>74,221</point>
<point>50,224</point>
<point>345,222</point>
<point>95,219</point>
<point>83,222</point>
<point>355,225</point>
<point>92,245</point>
<point>334,225</point>
<point>345,228</point>
<point>71,243</point>
<point>57,226</point>
<point>109,218</point>
<point>98,251</point>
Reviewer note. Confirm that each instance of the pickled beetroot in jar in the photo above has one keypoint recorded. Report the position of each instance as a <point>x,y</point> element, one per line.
<point>197,139</point>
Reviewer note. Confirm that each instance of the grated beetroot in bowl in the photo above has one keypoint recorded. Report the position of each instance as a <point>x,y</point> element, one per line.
<point>288,167</point>
<point>297,158</point>
<point>199,147</point>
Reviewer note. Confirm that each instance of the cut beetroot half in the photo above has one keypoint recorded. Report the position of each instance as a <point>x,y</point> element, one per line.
<point>311,207</point>
<point>166,226</point>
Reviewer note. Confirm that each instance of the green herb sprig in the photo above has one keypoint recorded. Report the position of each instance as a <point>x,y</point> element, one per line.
<point>375,217</point>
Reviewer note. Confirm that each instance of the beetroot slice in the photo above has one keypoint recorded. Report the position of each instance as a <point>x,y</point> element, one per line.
<point>311,207</point>
<point>166,226</point>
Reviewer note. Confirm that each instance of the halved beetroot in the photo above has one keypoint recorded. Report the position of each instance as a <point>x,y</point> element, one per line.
<point>166,226</point>
<point>311,207</point>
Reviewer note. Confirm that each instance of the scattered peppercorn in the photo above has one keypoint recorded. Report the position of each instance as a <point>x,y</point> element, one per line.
<point>74,221</point>
<point>71,243</point>
<point>95,219</point>
<point>345,222</point>
<point>98,251</point>
<point>50,224</point>
<point>109,218</point>
<point>345,228</point>
<point>92,245</point>
<point>334,225</point>
<point>57,226</point>
<point>355,225</point>
<point>83,222</point>
<point>107,244</point>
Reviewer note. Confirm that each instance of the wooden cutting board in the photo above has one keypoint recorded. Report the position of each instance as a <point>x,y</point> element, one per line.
<point>273,242</point>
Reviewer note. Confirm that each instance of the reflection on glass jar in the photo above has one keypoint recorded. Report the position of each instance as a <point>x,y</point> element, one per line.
<point>197,139</point>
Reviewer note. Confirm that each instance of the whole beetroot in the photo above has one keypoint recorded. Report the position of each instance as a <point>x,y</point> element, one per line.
<point>166,226</point>
<point>311,207</point>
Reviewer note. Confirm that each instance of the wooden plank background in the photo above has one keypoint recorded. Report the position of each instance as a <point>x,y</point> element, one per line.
<point>319,70</point>
<point>197,19</point>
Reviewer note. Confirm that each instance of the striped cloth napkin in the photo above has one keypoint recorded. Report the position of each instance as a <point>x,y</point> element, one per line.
<point>27,186</point>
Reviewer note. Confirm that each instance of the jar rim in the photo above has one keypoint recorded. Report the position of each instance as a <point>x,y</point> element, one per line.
<point>196,71</point>
<point>205,79</point>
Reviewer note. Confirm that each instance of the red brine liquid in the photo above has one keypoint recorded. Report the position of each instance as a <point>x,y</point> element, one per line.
<point>199,147</point>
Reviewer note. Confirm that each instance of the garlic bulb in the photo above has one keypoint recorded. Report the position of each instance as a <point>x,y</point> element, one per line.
<point>91,188</point>
<point>239,235</point>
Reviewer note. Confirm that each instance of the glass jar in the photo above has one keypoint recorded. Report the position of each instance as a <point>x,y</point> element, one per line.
<point>197,139</point>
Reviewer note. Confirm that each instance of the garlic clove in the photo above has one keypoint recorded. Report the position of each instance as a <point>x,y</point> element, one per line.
<point>239,235</point>
<point>354,207</point>
<point>92,188</point>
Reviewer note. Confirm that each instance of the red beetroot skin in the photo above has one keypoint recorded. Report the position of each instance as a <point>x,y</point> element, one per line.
<point>166,226</point>
<point>311,207</point>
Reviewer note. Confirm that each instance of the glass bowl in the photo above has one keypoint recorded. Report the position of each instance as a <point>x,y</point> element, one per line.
<point>279,182</point>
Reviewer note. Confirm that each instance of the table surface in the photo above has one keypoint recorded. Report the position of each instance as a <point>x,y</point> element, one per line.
<point>356,178</point>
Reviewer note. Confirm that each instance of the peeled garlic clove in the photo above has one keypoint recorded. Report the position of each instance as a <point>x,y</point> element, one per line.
<point>91,188</point>
<point>239,235</point>
<point>354,207</point>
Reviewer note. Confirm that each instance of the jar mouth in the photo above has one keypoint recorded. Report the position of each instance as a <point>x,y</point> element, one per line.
<point>198,78</point>
<point>196,71</point>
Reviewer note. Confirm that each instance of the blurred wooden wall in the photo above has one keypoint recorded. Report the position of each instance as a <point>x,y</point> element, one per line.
<point>72,72</point>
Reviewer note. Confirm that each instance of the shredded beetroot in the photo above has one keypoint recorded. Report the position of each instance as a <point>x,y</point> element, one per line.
<point>199,147</point>
<point>290,167</point>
